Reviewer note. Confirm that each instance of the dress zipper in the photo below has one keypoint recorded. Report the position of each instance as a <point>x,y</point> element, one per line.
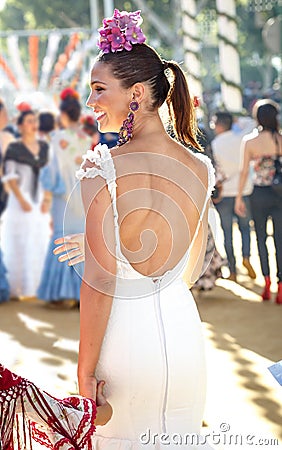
<point>157,283</point>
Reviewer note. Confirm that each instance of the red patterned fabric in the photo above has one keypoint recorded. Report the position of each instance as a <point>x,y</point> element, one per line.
<point>7,378</point>
<point>28,414</point>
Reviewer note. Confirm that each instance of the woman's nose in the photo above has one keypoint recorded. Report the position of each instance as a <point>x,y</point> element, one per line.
<point>91,100</point>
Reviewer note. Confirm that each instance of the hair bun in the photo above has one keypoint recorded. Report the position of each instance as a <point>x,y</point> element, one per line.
<point>87,120</point>
<point>69,92</point>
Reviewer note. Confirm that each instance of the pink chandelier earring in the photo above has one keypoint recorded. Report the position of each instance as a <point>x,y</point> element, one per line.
<point>125,132</point>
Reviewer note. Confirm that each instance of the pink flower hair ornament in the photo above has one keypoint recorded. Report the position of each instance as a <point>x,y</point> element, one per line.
<point>121,31</point>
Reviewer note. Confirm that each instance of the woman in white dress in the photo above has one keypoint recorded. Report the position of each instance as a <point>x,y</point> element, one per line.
<point>146,204</point>
<point>26,223</point>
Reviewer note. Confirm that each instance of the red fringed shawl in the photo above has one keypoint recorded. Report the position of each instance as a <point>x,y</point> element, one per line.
<point>28,415</point>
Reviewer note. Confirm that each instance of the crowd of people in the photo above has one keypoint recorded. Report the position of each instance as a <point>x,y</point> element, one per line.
<point>40,198</point>
<point>246,155</point>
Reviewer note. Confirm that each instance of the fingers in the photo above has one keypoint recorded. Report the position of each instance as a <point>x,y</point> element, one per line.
<point>73,257</point>
<point>100,388</point>
<point>75,261</point>
<point>240,208</point>
<point>69,255</point>
<point>59,241</point>
<point>64,239</point>
<point>241,212</point>
<point>70,248</point>
<point>66,247</point>
<point>101,399</point>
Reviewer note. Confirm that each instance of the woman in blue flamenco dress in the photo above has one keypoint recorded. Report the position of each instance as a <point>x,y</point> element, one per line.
<point>4,285</point>
<point>60,284</point>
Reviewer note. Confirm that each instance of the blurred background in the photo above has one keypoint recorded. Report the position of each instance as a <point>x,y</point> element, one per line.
<point>230,49</point>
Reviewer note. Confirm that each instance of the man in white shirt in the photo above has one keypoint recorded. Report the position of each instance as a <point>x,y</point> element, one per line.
<point>226,151</point>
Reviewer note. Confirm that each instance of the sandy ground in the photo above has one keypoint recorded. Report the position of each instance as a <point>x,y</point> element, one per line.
<point>243,337</point>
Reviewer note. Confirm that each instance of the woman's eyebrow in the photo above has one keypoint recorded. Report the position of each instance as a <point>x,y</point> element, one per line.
<point>96,81</point>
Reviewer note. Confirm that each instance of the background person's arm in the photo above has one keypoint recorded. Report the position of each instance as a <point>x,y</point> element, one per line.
<point>240,207</point>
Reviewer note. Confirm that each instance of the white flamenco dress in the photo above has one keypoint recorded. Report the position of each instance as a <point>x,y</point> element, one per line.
<point>24,235</point>
<point>152,357</point>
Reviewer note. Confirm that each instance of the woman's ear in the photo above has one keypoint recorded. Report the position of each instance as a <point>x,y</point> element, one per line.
<point>138,91</point>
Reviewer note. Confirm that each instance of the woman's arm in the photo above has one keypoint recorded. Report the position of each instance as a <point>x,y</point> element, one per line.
<point>14,187</point>
<point>11,179</point>
<point>240,207</point>
<point>98,284</point>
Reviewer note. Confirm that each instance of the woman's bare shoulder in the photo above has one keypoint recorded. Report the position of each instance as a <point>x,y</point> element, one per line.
<point>197,161</point>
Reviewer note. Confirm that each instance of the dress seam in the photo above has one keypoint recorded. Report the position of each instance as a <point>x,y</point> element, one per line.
<point>164,351</point>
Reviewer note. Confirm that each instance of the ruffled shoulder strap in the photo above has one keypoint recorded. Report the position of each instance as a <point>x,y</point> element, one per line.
<point>211,171</point>
<point>103,166</point>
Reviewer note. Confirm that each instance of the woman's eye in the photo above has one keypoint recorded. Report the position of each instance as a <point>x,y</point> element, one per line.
<point>98,89</point>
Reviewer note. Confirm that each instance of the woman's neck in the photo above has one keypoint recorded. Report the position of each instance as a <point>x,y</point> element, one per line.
<point>261,129</point>
<point>147,124</point>
<point>29,139</point>
<point>72,125</point>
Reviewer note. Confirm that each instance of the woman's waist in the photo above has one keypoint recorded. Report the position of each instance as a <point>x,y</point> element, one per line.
<point>263,183</point>
<point>263,170</point>
<point>27,196</point>
<point>145,287</point>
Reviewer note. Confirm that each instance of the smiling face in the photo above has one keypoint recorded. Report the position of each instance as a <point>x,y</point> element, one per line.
<point>108,99</point>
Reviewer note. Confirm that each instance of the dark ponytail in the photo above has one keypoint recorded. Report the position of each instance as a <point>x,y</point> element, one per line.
<point>71,107</point>
<point>266,111</point>
<point>143,64</point>
<point>181,108</point>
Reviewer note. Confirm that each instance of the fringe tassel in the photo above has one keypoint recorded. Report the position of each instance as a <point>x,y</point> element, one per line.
<point>28,414</point>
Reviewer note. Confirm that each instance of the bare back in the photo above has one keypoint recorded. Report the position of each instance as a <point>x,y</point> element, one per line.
<point>263,144</point>
<point>160,196</point>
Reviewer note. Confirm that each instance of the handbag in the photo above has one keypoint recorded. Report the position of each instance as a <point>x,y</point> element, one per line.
<point>277,178</point>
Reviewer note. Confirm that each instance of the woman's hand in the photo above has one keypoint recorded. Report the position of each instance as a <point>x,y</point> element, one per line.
<point>104,409</point>
<point>26,206</point>
<point>70,248</point>
<point>46,206</point>
<point>90,388</point>
<point>240,207</point>
<point>100,396</point>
